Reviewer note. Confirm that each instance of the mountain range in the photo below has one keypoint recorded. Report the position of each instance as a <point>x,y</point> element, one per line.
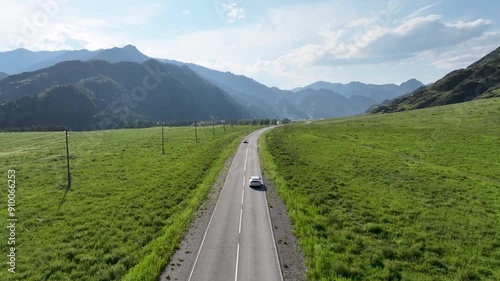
<point>318,100</point>
<point>378,93</point>
<point>100,95</point>
<point>38,80</point>
<point>479,80</point>
<point>22,60</point>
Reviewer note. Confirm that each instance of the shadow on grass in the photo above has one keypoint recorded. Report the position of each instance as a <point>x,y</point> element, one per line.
<point>67,187</point>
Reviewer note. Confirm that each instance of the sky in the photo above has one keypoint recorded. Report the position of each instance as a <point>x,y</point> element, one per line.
<point>282,43</point>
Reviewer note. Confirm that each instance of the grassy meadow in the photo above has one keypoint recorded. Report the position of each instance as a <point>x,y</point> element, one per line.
<point>128,206</point>
<point>406,196</point>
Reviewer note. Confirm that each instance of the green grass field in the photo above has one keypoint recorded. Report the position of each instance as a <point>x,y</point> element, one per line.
<point>406,196</point>
<point>128,206</point>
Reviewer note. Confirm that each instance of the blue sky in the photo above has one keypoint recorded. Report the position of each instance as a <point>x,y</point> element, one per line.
<point>279,43</point>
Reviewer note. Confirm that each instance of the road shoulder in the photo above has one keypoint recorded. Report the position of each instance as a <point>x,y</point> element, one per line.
<point>182,260</point>
<point>289,251</point>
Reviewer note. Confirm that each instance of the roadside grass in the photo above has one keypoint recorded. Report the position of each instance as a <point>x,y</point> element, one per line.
<point>128,205</point>
<point>405,196</point>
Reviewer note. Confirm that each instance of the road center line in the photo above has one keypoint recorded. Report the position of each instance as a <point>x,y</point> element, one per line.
<point>242,196</point>
<point>241,215</point>
<point>245,165</point>
<point>237,260</point>
<point>209,222</point>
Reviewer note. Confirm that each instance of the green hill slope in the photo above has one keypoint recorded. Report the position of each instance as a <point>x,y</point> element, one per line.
<point>480,80</point>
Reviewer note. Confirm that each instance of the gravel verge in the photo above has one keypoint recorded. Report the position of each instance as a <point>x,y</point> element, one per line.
<point>289,251</point>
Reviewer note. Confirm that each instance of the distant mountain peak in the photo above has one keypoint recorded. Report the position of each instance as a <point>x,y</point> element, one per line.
<point>411,81</point>
<point>130,47</point>
<point>410,85</point>
<point>355,83</point>
<point>22,50</point>
<point>127,53</point>
<point>22,60</point>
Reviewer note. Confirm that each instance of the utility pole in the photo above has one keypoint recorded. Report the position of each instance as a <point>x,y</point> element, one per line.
<point>213,118</point>
<point>195,132</point>
<point>67,158</point>
<point>162,139</point>
<point>224,122</point>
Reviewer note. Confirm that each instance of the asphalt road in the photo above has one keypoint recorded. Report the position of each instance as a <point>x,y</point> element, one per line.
<point>239,242</point>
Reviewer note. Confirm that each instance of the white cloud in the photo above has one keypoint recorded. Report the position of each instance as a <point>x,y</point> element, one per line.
<point>186,12</point>
<point>65,36</point>
<point>479,23</point>
<point>462,55</point>
<point>11,17</point>
<point>384,44</point>
<point>460,61</point>
<point>420,34</point>
<point>234,13</point>
<point>22,22</point>
<point>290,45</point>
<point>425,8</point>
<point>279,30</point>
<point>229,12</point>
<point>308,54</point>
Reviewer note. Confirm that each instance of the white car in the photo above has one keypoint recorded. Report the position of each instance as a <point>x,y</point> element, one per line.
<point>254,182</point>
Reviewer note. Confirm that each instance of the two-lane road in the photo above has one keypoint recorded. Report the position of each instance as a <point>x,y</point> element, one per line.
<point>239,242</point>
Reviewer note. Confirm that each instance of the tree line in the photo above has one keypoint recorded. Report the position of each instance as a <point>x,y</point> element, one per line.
<point>149,124</point>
